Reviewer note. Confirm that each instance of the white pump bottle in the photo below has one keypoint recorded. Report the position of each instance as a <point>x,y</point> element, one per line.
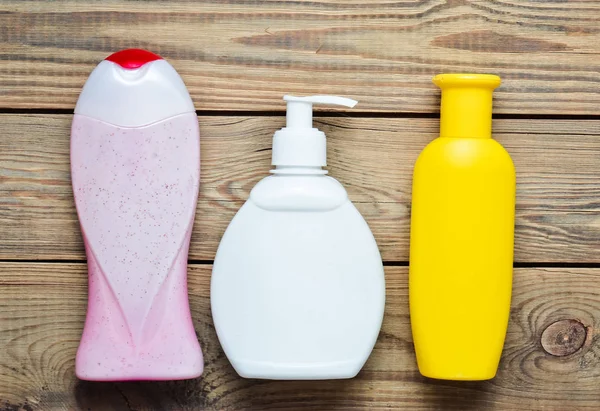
<point>298,288</point>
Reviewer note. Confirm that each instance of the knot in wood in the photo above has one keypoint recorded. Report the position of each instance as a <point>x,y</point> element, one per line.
<point>564,337</point>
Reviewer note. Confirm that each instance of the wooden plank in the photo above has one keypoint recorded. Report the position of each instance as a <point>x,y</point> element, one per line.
<point>42,309</point>
<point>240,55</point>
<point>558,167</point>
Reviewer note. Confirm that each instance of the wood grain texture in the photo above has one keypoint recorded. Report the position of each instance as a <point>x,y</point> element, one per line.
<point>244,55</point>
<point>42,309</point>
<point>558,167</point>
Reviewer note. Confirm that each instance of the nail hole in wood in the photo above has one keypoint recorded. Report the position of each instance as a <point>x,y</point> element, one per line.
<point>564,337</point>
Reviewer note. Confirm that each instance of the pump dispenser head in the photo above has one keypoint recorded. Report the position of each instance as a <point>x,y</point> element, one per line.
<point>298,144</point>
<point>466,110</point>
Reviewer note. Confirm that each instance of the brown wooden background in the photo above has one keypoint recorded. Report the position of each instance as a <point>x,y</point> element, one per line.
<point>238,57</point>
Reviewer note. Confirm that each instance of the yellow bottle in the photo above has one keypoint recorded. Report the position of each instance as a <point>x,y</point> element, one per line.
<point>461,239</point>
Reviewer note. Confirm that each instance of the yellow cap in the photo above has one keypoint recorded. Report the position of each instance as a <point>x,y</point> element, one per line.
<point>466,109</point>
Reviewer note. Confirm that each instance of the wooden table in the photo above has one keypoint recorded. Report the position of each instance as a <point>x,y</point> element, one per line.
<point>238,58</point>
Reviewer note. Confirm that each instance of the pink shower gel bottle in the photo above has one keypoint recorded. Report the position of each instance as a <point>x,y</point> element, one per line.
<point>135,166</point>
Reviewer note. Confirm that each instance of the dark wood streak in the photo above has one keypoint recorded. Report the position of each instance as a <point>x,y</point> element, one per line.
<point>489,41</point>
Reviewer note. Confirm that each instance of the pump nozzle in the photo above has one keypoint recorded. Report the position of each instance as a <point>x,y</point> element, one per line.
<point>298,144</point>
<point>299,109</point>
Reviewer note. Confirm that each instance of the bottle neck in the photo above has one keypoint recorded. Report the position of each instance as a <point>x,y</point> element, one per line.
<point>466,112</point>
<point>466,108</point>
<point>299,171</point>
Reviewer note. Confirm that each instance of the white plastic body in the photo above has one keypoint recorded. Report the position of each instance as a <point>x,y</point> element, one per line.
<point>298,287</point>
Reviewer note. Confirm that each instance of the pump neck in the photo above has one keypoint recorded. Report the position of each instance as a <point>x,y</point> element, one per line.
<point>466,107</point>
<point>300,148</point>
<point>299,171</point>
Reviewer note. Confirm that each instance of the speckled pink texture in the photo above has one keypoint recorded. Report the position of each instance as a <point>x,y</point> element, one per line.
<point>136,191</point>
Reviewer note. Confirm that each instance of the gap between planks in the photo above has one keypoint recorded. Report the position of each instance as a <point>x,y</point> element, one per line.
<point>516,265</point>
<point>324,113</point>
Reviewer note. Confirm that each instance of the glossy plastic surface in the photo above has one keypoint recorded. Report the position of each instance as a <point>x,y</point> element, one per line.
<point>298,288</point>
<point>299,144</point>
<point>134,97</point>
<point>462,234</point>
<point>135,190</point>
<point>466,106</point>
<point>132,58</point>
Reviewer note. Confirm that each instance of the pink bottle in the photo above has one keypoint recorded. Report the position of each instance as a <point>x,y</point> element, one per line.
<point>135,165</point>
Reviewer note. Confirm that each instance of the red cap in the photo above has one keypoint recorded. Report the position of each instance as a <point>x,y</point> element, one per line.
<point>133,58</point>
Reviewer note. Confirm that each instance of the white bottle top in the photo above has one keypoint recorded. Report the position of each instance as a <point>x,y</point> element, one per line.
<point>298,144</point>
<point>134,88</point>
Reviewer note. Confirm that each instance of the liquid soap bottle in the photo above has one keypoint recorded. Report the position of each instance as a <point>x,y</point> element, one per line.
<point>298,289</point>
<point>135,167</point>
<point>462,232</point>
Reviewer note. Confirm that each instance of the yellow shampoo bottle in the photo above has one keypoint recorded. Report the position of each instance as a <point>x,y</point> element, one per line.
<point>461,239</point>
